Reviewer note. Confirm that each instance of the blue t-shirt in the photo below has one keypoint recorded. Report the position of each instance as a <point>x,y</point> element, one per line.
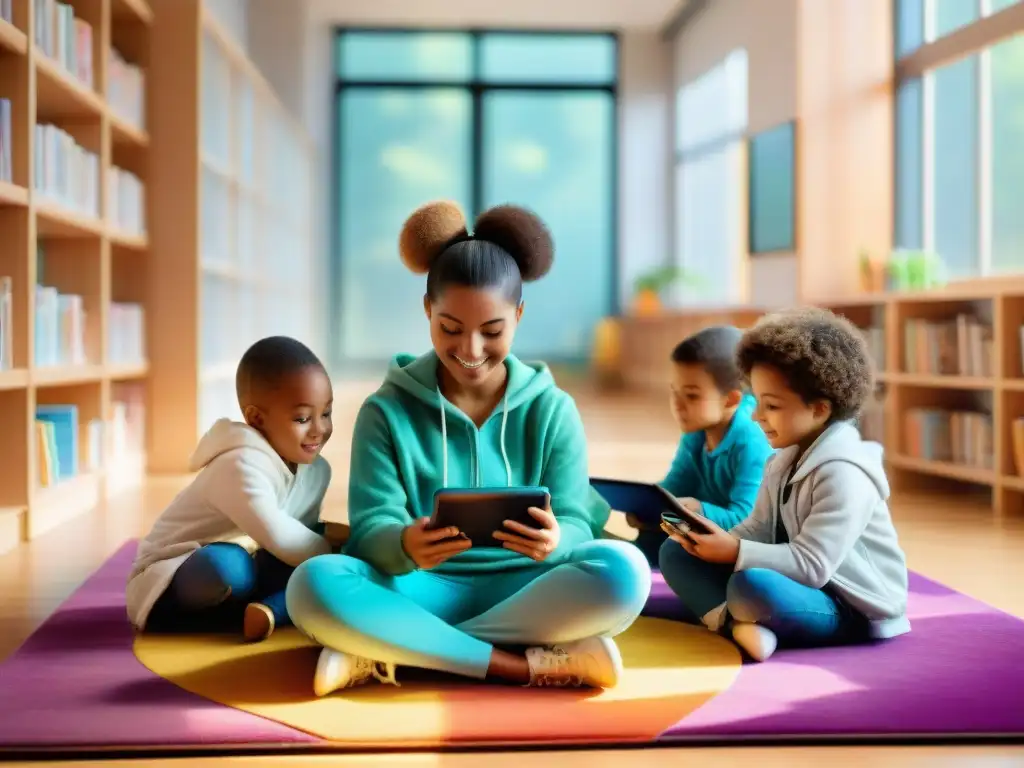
<point>725,480</point>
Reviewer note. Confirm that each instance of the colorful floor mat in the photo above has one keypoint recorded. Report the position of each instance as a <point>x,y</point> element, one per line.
<point>83,681</point>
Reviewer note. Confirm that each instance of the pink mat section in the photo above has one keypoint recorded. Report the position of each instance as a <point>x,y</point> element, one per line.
<point>959,672</point>
<point>76,682</point>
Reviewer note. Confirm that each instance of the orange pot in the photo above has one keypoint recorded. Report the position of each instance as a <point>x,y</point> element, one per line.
<point>646,303</point>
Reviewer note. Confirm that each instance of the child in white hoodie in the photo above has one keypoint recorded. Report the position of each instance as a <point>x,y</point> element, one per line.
<point>818,561</point>
<point>219,557</point>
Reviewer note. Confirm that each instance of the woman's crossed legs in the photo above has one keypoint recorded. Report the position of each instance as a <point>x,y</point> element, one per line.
<point>566,612</point>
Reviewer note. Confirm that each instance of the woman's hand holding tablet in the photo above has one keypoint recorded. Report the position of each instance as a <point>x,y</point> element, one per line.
<point>429,547</point>
<point>534,542</point>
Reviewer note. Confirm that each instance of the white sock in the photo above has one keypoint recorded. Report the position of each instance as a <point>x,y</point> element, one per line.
<point>715,618</point>
<point>759,642</point>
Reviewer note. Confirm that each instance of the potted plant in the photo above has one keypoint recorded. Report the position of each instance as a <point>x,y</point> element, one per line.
<point>649,287</point>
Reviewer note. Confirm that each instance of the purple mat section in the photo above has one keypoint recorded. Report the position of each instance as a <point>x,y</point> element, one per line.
<point>76,682</point>
<point>958,672</point>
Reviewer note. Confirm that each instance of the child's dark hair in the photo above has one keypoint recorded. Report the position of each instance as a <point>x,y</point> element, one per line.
<point>268,360</point>
<point>714,348</point>
<point>509,245</point>
<point>822,357</point>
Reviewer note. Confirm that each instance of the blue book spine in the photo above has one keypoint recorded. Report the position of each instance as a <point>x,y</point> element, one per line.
<point>65,426</point>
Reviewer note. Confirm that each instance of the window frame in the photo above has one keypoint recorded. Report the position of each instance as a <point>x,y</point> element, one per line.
<point>976,38</point>
<point>477,87</point>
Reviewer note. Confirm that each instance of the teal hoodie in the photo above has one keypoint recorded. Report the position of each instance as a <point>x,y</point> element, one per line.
<point>409,441</point>
<point>726,480</point>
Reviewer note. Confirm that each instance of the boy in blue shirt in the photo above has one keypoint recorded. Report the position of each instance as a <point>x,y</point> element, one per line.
<point>718,465</point>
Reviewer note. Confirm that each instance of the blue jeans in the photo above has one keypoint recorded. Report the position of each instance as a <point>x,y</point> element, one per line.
<point>210,590</point>
<point>800,616</point>
<point>448,622</point>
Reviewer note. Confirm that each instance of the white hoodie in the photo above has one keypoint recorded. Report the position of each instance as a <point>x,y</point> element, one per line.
<point>244,490</point>
<point>841,534</point>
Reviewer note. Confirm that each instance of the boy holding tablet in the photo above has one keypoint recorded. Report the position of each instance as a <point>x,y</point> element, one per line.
<point>718,465</point>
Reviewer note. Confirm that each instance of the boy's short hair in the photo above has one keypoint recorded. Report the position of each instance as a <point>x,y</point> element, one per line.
<point>714,348</point>
<point>267,361</point>
<point>820,354</point>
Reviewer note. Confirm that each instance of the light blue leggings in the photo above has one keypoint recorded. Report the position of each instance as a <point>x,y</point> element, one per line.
<point>448,622</point>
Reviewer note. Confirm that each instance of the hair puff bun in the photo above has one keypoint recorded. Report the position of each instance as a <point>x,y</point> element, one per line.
<point>522,234</point>
<point>427,231</point>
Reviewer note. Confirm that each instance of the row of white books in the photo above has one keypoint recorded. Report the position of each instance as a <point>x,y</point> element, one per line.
<point>66,172</point>
<point>65,38</point>
<point>6,162</point>
<point>126,335</point>
<point>60,328</point>
<point>126,89</point>
<point>126,201</point>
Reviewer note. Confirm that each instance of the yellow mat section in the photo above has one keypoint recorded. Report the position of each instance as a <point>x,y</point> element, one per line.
<point>671,669</point>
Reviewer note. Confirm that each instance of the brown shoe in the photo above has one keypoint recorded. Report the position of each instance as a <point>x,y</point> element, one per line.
<point>258,623</point>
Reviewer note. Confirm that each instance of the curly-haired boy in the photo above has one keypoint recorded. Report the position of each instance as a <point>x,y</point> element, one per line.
<point>818,561</point>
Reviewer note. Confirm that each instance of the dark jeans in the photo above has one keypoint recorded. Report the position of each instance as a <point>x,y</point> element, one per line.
<point>800,616</point>
<point>210,590</point>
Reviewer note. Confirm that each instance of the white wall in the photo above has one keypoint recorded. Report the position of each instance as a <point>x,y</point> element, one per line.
<point>767,29</point>
<point>291,42</point>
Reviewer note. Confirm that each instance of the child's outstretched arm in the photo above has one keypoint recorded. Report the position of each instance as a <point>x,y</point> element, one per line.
<point>747,472</point>
<point>245,493</point>
<point>842,501</point>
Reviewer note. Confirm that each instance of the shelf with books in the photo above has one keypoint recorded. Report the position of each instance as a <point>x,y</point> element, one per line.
<point>74,146</point>
<point>216,256</point>
<point>68,447</point>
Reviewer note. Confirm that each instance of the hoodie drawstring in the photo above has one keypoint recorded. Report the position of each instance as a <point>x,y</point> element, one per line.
<point>444,441</point>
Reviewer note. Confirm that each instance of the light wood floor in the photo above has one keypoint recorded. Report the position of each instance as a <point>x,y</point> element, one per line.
<point>948,538</point>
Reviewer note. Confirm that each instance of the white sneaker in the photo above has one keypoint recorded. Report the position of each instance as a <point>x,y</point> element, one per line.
<point>336,670</point>
<point>594,662</point>
<point>759,642</point>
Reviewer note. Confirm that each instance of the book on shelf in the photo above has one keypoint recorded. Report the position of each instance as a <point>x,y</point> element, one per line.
<point>958,347</point>
<point>59,328</point>
<point>874,337</point>
<point>65,38</point>
<point>6,160</point>
<point>126,335</point>
<point>58,439</point>
<point>66,173</point>
<point>126,200</point>
<point>126,89</point>
<point>871,420</point>
<point>958,436</point>
<point>128,421</point>
<point>6,331</point>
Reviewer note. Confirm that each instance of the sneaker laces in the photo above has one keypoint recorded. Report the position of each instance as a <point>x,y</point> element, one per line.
<point>384,672</point>
<point>555,669</point>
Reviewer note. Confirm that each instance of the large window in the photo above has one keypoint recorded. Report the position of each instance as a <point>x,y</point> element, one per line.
<point>481,118</point>
<point>711,125</point>
<point>960,133</point>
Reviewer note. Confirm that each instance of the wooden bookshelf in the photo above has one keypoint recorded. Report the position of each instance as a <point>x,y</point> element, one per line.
<point>60,225</point>
<point>927,450</point>
<point>231,233</point>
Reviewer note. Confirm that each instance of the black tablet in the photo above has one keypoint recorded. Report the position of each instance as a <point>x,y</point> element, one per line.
<point>479,512</point>
<point>648,502</point>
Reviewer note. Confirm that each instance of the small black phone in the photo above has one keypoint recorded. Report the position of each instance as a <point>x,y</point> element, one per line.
<point>683,521</point>
<point>479,512</point>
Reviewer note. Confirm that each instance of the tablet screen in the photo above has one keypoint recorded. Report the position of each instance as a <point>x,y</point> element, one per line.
<point>646,501</point>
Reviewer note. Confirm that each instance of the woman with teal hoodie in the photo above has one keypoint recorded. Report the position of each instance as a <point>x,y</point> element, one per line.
<point>470,414</point>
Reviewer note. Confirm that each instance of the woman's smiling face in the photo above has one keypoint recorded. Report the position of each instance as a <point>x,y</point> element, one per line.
<point>472,331</point>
